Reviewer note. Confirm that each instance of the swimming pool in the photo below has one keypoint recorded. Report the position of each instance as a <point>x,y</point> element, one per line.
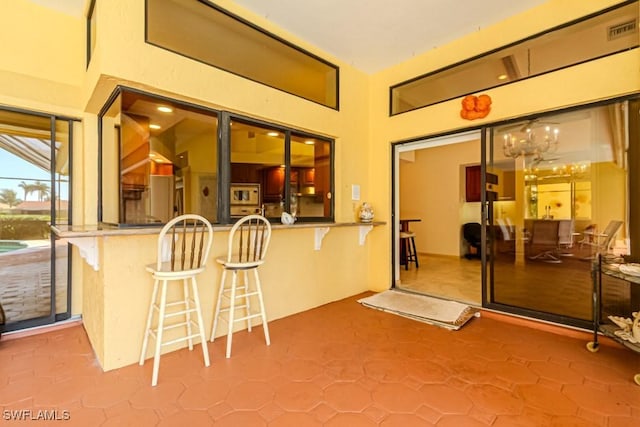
<point>11,245</point>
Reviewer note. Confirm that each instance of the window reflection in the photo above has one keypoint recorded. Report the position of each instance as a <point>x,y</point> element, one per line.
<point>549,205</point>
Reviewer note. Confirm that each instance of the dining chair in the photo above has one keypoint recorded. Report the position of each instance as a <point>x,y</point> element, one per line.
<point>600,242</point>
<point>182,252</point>
<point>544,240</point>
<point>566,228</point>
<point>247,246</point>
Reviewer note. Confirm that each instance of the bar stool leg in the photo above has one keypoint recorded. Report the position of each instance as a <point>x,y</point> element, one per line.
<point>247,300</point>
<point>185,295</point>
<point>262,312</point>
<point>415,252</point>
<point>203,339</point>
<point>156,356</point>
<point>231,312</point>
<point>214,328</point>
<point>147,331</point>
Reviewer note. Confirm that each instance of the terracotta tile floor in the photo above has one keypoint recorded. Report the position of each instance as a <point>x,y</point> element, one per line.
<point>337,365</point>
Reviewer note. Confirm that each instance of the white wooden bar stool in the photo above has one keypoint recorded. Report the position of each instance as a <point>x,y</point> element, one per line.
<point>248,243</point>
<point>183,250</point>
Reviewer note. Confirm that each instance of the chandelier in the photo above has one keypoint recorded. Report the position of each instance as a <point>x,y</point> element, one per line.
<point>531,142</point>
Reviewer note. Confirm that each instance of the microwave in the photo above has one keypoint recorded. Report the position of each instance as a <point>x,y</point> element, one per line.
<point>245,195</point>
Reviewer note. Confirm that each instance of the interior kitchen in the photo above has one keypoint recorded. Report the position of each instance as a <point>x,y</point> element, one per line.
<point>168,165</point>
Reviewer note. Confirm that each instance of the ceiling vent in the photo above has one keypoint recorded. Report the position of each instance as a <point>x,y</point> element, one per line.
<point>621,30</point>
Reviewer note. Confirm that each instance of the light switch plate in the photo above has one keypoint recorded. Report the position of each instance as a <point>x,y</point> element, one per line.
<point>355,192</point>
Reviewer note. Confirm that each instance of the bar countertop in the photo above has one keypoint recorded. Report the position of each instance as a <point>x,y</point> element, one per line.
<point>74,231</point>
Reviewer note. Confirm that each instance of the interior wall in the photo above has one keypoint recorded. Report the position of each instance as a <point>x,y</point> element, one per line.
<point>432,189</point>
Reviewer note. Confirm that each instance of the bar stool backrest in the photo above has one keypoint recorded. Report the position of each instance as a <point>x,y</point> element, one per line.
<point>248,240</point>
<point>184,243</point>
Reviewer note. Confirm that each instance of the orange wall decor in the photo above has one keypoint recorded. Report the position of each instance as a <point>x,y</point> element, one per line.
<point>475,107</point>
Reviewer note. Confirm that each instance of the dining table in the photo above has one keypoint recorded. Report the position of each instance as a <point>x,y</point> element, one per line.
<point>404,223</point>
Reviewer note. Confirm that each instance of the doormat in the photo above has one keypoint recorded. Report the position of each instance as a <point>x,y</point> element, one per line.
<point>447,314</point>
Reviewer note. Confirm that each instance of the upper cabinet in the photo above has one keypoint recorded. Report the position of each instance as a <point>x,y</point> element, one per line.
<point>472,183</point>
<point>495,191</point>
<point>245,173</point>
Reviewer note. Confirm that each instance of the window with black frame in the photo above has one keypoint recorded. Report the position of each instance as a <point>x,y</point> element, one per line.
<point>160,158</point>
<point>299,183</point>
<point>605,33</point>
<point>191,28</point>
<point>91,30</point>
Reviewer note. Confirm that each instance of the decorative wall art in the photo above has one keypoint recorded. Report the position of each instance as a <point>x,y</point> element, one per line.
<point>475,107</point>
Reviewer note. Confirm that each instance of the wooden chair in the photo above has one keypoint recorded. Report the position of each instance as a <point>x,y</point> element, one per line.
<point>182,252</point>
<point>248,242</point>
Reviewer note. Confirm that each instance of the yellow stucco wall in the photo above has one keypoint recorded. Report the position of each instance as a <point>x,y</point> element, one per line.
<point>47,73</point>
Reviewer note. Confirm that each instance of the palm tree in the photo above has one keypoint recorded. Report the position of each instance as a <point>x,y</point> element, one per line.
<point>9,197</point>
<point>27,188</point>
<point>43,190</point>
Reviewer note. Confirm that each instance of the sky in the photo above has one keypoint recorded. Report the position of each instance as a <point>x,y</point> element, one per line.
<point>14,167</point>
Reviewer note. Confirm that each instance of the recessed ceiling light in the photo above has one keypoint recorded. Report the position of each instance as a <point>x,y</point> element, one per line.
<point>502,77</point>
<point>165,109</point>
<point>309,142</point>
<point>154,126</point>
<point>273,133</point>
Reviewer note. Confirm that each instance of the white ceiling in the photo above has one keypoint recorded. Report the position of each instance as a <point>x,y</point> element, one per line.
<point>374,34</point>
<point>369,34</point>
<point>69,7</point>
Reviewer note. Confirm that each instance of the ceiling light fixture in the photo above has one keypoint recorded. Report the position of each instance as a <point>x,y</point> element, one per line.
<point>273,133</point>
<point>154,126</point>
<point>502,77</point>
<point>310,142</point>
<point>531,142</point>
<point>165,109</point>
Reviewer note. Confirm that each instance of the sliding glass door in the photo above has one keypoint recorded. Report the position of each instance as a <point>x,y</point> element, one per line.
<point>34,193</point>
<point>516,213</point>
<point>555,185</point>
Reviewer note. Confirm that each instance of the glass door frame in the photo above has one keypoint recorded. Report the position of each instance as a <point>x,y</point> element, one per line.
<point>53,316</point>
<point>411,145</point>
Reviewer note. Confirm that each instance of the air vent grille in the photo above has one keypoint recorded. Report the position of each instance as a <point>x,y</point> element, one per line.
<point>621,30</point>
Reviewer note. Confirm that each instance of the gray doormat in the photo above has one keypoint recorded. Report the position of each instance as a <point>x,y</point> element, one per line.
<point>447,314</point>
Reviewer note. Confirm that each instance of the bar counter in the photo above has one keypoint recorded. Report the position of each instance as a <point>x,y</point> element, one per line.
<point>307,265</point>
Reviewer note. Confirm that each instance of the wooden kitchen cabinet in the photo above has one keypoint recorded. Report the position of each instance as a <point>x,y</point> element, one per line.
<point>472,183</point>
<point>273,184</point>
<point>308,176</point>
<point>245,173</point>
